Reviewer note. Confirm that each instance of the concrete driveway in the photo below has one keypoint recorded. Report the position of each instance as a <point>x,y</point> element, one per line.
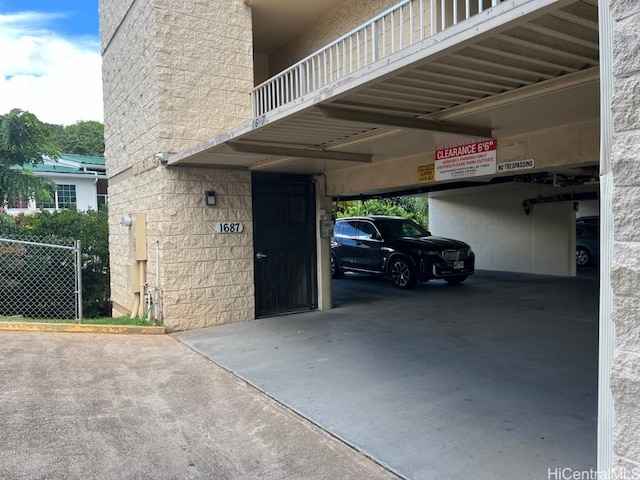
<point>492,379</point>
<point>100,406</point>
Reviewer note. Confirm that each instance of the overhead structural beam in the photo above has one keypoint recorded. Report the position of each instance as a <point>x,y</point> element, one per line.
<point>244,147</point>
<point>352,115</point>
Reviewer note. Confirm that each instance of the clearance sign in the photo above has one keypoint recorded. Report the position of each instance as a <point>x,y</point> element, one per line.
<point>471,160</point>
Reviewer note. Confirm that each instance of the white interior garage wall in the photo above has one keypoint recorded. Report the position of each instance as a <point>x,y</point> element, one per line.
<point>492,220</point>
<point>554,232</point>
<point>588,209</point>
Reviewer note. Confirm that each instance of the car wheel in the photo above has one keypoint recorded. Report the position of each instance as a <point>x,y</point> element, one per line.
<point>336,272</point>
<point>455,280</point>
<point>583,257</point>
<point>402,273</point>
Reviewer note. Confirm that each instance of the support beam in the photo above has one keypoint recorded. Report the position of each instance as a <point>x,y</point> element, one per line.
<point>259,149</point>
<point>351,115</point>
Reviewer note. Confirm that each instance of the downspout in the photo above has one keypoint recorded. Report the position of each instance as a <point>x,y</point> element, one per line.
<point>157,309</point>
<point>142,276</point>
<point>136,304</point>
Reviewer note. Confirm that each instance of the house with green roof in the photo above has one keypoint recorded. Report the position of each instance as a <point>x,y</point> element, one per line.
<point>79,180</point>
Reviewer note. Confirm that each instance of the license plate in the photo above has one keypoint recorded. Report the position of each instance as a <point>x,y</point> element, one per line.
<point>458,265</point>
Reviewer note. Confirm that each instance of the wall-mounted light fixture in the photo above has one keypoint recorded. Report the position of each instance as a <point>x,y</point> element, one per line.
<point>210,198</point>
<point>126,221</point>
<point>162,156</point>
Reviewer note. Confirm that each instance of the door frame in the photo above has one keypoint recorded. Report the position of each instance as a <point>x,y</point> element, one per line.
<point>312,273</point>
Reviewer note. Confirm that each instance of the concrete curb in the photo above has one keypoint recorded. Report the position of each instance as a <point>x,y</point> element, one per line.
<point>80,328</point>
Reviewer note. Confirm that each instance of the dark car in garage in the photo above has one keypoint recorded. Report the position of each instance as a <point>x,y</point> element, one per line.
<point>587,243</point>
<point>398,248</point>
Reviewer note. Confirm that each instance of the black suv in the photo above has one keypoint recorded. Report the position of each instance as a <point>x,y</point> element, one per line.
<point>399,248</point>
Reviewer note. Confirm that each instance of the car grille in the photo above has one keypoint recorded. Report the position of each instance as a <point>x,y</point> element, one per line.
<point>453,255</point>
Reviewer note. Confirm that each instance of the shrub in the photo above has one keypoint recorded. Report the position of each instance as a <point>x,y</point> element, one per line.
<point>414,208</point>
<point>91,228</point>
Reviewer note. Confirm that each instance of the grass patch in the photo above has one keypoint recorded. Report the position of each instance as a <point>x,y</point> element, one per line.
<point>86,321</point>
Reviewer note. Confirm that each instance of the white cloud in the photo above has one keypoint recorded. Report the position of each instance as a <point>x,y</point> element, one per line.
<point>56,78</point>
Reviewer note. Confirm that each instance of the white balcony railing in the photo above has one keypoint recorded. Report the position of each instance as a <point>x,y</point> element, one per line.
<point>398,27</point>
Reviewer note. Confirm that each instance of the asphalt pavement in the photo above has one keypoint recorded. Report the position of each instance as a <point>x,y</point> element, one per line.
<point>493,379</point>
<point>104,406</point>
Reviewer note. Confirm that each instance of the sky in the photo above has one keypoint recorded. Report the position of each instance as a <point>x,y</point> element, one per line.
<point>50,62</point>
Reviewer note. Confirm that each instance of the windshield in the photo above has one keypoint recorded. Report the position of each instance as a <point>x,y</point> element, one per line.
<point>400,228</point>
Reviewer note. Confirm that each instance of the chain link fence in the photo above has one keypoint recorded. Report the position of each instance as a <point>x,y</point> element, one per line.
<point>40,278</point>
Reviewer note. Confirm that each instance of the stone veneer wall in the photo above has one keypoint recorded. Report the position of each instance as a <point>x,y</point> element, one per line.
<point>206,278</point>
<point>204,68</point>
<point>625,275</point>
<point>175,74</point>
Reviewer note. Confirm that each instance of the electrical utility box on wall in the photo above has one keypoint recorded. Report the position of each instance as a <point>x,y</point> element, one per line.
<point>326,228</point>
<point>138,237</point>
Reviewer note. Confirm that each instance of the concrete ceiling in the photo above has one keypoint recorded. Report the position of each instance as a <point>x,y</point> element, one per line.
<point>275,22</point>
<point>523,74</point>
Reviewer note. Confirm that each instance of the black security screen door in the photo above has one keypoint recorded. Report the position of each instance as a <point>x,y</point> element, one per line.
<point>284,244</point>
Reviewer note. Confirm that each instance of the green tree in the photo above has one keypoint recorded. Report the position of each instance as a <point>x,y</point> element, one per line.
<point>55,134</point>
<point>415,208</point>
<point>23,142</point>
<point>418,207</point>
<point>83,138</point>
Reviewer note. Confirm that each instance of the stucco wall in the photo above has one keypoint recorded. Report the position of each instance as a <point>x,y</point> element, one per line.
<point>341,20</point>
<point>492,220</point>
<point>625,275</point>
<point>575,145</point>
<point>176,74</point>
<point>86,193</point>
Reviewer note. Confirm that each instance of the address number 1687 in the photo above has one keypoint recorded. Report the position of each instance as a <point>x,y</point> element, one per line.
<point>229,227</point>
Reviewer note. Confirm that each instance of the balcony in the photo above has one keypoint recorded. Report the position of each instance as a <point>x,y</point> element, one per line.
<point>399,27</point>
<point>423,68</point>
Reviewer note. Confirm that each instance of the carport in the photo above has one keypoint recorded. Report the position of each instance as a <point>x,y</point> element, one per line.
<point>439,382</point>
<point>526,76</point>
<point>497,377</point>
